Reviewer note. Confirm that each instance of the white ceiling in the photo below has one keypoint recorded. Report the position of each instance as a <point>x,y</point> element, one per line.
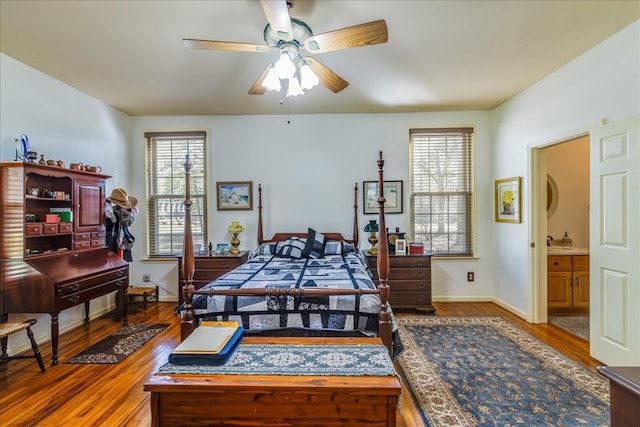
<point>441,55</point>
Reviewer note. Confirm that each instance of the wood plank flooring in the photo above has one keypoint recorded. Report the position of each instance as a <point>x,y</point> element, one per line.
<point>112,395</point>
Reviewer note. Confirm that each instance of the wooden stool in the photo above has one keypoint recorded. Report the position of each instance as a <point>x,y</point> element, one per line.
<point>148,294</point>
<point>8,328</point>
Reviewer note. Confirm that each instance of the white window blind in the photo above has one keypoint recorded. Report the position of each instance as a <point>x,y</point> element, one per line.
<point>441,198</point>
<point>166,152</point>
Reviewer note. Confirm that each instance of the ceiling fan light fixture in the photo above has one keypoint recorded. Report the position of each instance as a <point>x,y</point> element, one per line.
<point>308,78</point>
<point>272,82</point>
<point>294,88</point>
<point>284,67</point>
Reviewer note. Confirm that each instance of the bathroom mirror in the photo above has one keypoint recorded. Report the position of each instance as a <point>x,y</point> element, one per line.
<point>552,196</point>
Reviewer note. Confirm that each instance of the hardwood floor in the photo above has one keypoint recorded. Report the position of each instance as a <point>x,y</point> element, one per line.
<point>112,395</point>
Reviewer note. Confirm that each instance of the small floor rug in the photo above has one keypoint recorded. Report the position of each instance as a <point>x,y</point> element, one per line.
<point>483,371</point>
<point>120,344</point>
<point>577,325</point>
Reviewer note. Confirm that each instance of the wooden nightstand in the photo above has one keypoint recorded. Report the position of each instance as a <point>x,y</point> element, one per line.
<point>409,280</point>
<point>210,267</point>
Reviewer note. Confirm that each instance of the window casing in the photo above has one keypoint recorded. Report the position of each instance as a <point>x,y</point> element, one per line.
<point>166,153</point>
<point>441,183</point>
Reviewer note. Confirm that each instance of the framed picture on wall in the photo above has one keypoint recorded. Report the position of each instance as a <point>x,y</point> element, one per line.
<point>392,194</point>
<point>507,202</point>
<point>235,196</point>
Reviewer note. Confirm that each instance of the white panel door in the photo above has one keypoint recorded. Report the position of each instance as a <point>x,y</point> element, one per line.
<point>615,243</point>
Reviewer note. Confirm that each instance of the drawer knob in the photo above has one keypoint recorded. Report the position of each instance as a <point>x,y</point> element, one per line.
<point>420,285</point>
<point>119,283</point>
<point>420,298</point>
<point>421,264</point>
<point>74,298</point>
<point>227,264</point>
<point>74,287</point>
<point>421,274</point>
<point>556,263</point>
<point>119,273</point>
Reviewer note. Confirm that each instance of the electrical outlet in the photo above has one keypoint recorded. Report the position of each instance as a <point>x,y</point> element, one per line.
<point>146,277</point>
<point>470,276</point>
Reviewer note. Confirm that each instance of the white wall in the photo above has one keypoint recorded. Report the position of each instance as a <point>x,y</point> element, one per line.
<point>308,169</point>
<point>63,124</point>
<point>603,83</point>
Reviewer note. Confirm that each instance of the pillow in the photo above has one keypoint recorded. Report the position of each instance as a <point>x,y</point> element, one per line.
<point>264,249</point>
<point>291,248</point>
<point>315,245</point>
<point>333,247</point>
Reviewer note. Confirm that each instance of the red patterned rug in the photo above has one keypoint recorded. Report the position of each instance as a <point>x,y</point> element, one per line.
<point>120,344</point>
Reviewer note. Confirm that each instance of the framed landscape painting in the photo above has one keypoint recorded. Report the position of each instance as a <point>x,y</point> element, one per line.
<point>235,196</point>
<point>392,195</point>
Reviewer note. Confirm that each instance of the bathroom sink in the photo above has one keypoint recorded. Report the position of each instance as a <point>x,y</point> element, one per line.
<point>559,250</point>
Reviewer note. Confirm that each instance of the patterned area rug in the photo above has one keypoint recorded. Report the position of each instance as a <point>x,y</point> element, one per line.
<point>577,325</point>
<point>483,371</point>
<point>120,344</point>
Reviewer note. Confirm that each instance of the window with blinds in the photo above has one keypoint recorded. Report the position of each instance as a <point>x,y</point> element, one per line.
<point>441,198</point>
<point>166,153</point>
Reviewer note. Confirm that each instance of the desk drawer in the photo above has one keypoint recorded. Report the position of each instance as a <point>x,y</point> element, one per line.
<point>87,283</point>
<point>91,293</point>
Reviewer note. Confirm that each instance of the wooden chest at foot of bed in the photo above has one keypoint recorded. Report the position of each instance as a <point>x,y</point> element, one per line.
<point>268,400</point>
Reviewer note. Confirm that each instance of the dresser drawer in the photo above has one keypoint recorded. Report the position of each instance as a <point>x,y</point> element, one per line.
<point>89,282</point>
<point>399,299</point>
<point>409,285</point>
<point>409,262</point>
<point>217,263</point>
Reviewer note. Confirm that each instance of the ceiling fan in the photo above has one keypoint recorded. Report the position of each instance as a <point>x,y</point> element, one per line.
<point>290,36</point>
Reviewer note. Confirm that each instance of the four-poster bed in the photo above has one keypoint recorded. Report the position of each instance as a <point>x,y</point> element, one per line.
<point>305,284</point>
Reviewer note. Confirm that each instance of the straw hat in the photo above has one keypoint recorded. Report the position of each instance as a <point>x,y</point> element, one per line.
<point>122,199</point>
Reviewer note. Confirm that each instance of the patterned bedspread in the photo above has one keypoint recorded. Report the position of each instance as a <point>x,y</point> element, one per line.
<point>345,270</point>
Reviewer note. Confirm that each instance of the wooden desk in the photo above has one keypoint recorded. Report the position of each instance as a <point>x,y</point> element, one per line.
<point>268,400</point>
<point>625,394</point>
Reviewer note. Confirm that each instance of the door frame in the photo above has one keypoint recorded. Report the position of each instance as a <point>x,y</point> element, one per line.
<point>537,170</point>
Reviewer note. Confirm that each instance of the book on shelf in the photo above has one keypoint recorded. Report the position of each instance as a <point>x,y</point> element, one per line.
<point>210,343</point>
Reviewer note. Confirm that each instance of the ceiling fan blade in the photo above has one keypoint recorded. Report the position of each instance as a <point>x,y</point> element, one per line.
<point>257,88</point>
<point>219,45</point>
<point>277,13</point>
<point>371,33</point>
<point>328,78</point>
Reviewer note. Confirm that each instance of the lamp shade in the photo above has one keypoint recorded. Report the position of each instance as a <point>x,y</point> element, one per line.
<point>372,227</point>
<point>235,227</point>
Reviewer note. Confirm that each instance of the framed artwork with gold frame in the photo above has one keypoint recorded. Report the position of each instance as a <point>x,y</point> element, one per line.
<point>235,196</point>
<point>507,203</point>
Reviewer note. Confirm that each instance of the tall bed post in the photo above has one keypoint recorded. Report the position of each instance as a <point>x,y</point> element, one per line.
<point>384,319</point>
<point>356,231</point>
<point>188,262</point>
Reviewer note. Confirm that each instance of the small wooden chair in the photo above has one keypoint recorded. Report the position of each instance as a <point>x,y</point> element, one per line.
<point>8,328</point>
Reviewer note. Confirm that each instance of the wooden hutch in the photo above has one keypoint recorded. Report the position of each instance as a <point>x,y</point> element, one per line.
<point>47,267</point>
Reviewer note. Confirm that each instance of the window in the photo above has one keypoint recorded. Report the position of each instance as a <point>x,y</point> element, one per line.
<point>441,190</point>
<point>166,152</point>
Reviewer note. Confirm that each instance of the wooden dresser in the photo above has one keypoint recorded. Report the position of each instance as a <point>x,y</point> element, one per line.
<point>409,280</point>
<point>210,267</point>
<point>47,267</point>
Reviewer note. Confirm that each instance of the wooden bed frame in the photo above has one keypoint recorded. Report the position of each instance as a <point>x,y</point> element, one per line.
<point>189,322</point>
